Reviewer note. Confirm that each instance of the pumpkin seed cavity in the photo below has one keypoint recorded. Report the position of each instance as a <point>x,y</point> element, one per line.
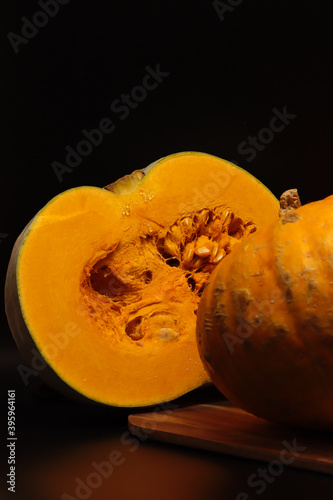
<point>198,242</point>
<point>132,281</point>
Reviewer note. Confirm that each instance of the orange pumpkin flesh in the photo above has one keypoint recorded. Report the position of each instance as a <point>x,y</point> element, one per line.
<point>265,320</point>
<point>105,283</point>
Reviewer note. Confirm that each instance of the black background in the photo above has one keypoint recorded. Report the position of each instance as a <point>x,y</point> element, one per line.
<point>225,78</point>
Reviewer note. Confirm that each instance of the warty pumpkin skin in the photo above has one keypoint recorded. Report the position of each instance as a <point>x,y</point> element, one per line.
<point>265,320</point>
<point>104,284</point>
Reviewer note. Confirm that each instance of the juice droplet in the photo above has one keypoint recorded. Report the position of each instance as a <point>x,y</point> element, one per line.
<point>126,210</point>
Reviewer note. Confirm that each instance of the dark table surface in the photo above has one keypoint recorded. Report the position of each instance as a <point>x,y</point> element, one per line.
<point>64,451</point>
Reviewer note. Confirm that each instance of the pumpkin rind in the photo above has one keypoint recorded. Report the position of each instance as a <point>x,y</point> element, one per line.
<point>104,286</point>
<point>265,320</point>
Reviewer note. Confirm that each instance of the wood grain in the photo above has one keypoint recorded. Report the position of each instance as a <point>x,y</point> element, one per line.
<point>224,428</point>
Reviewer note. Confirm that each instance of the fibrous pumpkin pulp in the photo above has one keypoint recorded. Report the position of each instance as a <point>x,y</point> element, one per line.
<point>265,320</point>
<point>105,283</point>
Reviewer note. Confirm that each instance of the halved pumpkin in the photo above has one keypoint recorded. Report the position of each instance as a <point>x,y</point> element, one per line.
<point>105,283</point>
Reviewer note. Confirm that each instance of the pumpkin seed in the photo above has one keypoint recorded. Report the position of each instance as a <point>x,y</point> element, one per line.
<point>213,228</point>
<point>186,225</point>
<point>197,262</point>
<point>201,218</point>
<point>203,246</point>
<point>188,252</point>
<point>171,247</point>
<point>227,215</point>
<point>167,334</point>
<point>236,228</point>
<point>213,253</point>
<point>175,234</point>
<point>219,256</point>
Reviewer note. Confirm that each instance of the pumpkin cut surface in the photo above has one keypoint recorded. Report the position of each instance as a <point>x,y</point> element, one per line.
<point>105,283</point>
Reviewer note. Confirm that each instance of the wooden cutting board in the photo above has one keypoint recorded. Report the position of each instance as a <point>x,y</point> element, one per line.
<point>221,427</point>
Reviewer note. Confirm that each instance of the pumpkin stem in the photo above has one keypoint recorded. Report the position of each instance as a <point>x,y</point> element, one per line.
<point>289,200</point>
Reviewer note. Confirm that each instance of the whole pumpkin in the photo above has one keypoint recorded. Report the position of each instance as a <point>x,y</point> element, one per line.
<point>265,320</point>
